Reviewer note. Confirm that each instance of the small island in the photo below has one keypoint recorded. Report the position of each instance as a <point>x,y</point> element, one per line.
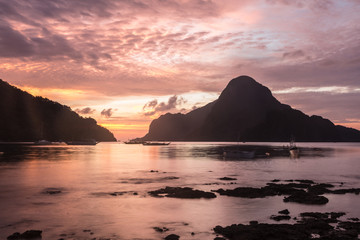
<point>247,111</point>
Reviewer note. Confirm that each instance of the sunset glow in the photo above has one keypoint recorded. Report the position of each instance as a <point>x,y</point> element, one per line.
<point>125,63</point>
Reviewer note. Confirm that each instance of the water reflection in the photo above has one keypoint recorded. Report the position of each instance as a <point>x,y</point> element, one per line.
<point>219,152</point>
<point>14,153</point>
<point>18,152</point>
<point>93,187</point>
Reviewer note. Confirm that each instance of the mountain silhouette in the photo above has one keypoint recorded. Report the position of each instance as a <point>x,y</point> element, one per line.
<point>24,117</point>
<point>246,111</point>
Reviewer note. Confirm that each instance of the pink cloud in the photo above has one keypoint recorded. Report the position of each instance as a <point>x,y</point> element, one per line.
<point>129,48</point>
<point>153,107</point>
<point>86,110</point>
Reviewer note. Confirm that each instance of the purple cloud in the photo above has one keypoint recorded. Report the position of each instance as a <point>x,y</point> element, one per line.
<point>154,107</point>
<point>86,110</point>
<point>130,48</point>
<point>294,54</point>
<point>107,112</point>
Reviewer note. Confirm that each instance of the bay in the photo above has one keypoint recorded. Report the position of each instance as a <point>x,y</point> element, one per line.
<point>86,192</point>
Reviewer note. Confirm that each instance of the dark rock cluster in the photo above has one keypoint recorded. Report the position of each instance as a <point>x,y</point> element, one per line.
<point>299,191</point>
<point>313,225</point>
<point>179,192</point>
<point>172,237</point>
<point>227,179</point>
<point>28,235</point>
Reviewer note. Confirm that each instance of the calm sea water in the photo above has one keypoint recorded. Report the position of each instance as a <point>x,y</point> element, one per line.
<point>86,175</point>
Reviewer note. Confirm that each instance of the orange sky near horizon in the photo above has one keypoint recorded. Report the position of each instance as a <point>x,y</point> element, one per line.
<point>125,63</point>
<point>134,124</point>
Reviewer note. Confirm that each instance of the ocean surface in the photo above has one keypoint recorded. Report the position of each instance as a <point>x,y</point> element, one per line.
<point>87,192</point>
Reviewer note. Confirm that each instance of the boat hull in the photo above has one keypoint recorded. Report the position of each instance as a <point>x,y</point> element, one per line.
<point>155,143</point>
<point>82,143</point>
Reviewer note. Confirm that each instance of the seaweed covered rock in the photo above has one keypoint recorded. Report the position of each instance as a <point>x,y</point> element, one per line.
<point>172,237</point>
<point>306,198</point>
<point>179,192</point>
<point>312,225</point>
<point>28,235</point>
<point>299,191</point>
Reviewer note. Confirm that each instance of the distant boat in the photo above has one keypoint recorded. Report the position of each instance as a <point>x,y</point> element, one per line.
<point>155,143</point>
<point>134,142</point>
<point>43,142</point>
<point>82,142</point>
<point>238,154</point>
<point>293,149</point>
<point>294,152</point>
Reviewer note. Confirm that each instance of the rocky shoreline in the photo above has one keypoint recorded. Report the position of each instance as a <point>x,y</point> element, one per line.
<point>298,191</point>
<point>308,225</point>
<point>312,225</point>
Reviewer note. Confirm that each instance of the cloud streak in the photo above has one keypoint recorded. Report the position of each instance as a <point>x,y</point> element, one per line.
<point>153,107</point>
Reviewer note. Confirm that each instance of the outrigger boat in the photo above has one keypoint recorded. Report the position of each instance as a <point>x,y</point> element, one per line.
<point>83,142</point>
<point>293,149</point>
<point>155,143</point>
<point>134,142</point>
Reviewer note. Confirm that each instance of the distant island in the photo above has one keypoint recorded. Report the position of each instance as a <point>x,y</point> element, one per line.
<point>247,111</point>
<point>24,117</point>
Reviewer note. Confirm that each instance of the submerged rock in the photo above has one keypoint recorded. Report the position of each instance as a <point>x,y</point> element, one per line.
<point>227,179</point>
<point>28,235</point>
<point>285,211</point>
<point>280,217</point>
<point>247,192</point>
<point>320,189</point>
<point>14,236</point>
<point>305,181</point>
<point>172,237</point>
<point>161,229</point>
<point>312,225</point>
<point>343,191</point>
<point>263,231</point>
<point>179,192</point>
<point>350,226</point>
<point>306,198</point>
<point>52,191</point>
<point>299,191</point>
<point>331,217</point>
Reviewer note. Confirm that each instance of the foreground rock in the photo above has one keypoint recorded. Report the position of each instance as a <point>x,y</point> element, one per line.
<point>161,229</point>
<point>299,191</point>
<point>227,179</point>
<point>172,237</point>
<point>312,225</point>
<point>285,211</point>
<point>28,235</point>
<point>263,231</point>
<point>280,217</point>
<point>179,192</point>
<point>306,198</point>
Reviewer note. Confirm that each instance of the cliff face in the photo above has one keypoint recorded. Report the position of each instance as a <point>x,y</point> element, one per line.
<point>247,111</point>
<point>24,117</point>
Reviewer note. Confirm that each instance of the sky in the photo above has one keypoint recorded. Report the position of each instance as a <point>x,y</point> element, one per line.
<point>126,62</point>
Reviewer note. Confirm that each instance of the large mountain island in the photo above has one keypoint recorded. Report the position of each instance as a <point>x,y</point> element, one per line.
<point>24,117</point>
<point>246,111</point>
